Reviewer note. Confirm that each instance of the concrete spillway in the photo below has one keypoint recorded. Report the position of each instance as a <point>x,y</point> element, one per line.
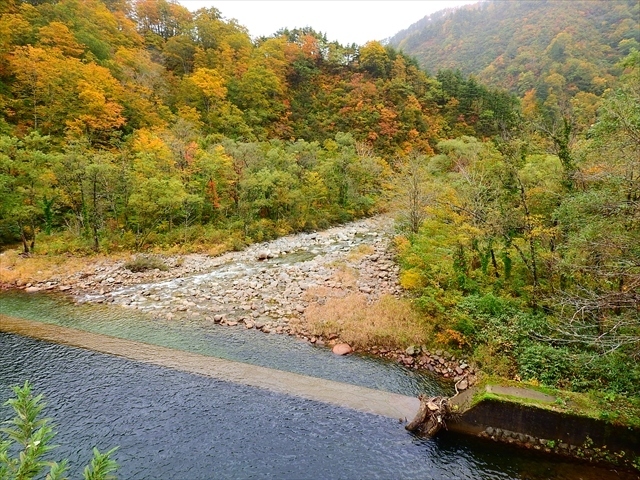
<point>358,398</point>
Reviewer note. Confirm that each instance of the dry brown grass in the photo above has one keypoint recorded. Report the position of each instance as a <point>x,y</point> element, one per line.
<point>389,322</point>
<point>54,267</point>
<point>40,268</point>
<point>216,249</point>
<point>347,276</point>
<point>360,252</point>
<point>321,292</point>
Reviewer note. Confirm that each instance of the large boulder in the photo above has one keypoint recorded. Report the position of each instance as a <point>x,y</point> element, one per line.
<point>342,349</point>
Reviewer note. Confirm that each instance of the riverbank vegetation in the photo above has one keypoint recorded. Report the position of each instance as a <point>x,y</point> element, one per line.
<point>530,259</point>
<point>143,127</point>
<point>390,322</point>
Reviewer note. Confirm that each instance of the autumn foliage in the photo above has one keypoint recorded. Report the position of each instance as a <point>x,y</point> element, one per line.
<point>131,124</point>
<point>141,125</point>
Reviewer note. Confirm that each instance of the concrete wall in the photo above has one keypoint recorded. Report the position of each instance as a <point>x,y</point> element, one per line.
<point>506,420</point>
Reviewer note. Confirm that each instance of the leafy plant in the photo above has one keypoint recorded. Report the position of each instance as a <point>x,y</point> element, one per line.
<point>25,443</point>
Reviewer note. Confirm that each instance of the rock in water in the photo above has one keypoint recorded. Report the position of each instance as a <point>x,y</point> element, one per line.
<point>342,349</point>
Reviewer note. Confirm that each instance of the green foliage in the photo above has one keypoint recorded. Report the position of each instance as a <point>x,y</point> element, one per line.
<point>545,363</point>
<point>25,443</point>
<point>471,108</point>
<point>488,305</point>
<point>101,466</point>
<point>27,431</point>
<point>538,253</point>
<point>571,369</point>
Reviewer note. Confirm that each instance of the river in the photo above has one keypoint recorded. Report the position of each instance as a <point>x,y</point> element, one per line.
<point>173,423</point>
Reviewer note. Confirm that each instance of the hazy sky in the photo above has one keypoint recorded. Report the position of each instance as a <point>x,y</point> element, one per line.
<point>347,21</point>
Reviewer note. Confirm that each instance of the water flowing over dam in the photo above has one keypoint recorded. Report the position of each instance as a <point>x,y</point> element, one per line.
<point>349,396</point>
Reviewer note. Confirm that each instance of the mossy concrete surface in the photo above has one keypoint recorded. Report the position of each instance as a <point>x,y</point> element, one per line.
<point>523,393</point>
<point>531,419</point>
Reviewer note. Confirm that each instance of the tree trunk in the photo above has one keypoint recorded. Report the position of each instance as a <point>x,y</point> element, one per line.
<point>494,263</point>
<point>25,243</point>
<point>431,416</point>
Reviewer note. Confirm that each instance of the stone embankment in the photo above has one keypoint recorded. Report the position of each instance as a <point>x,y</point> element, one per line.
<point>267,286</point>
<point>440,362</point>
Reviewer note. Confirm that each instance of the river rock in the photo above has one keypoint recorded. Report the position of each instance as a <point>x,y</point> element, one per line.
<point>264,255</point>
<point>342,349</point>
<point>32,289</point>
<point>463,385</point>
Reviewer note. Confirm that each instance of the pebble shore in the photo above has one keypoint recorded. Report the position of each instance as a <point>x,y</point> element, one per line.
<point>267,286</point>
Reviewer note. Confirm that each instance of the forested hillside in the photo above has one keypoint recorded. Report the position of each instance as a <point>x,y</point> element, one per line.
<point>527,248</point>
<point>129,126</point>
<point>553,47</point>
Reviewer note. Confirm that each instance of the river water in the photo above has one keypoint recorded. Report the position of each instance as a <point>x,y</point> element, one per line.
<point>178,425</point>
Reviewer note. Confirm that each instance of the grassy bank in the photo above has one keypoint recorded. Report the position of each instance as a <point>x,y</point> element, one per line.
<point>17,270</point>
<point>389,322</point>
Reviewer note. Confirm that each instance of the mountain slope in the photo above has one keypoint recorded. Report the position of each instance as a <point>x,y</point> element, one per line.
<point>521,45</point>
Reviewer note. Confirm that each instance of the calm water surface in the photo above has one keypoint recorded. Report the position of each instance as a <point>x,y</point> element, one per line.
<point>176,425</point>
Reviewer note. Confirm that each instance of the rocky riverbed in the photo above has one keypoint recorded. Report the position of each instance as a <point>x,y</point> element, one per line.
<point>267,286</point>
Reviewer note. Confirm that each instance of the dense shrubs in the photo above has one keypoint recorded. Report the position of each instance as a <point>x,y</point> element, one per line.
<point>142,263</point>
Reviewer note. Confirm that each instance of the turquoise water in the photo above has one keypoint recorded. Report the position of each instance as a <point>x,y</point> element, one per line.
<point>233,343</point>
